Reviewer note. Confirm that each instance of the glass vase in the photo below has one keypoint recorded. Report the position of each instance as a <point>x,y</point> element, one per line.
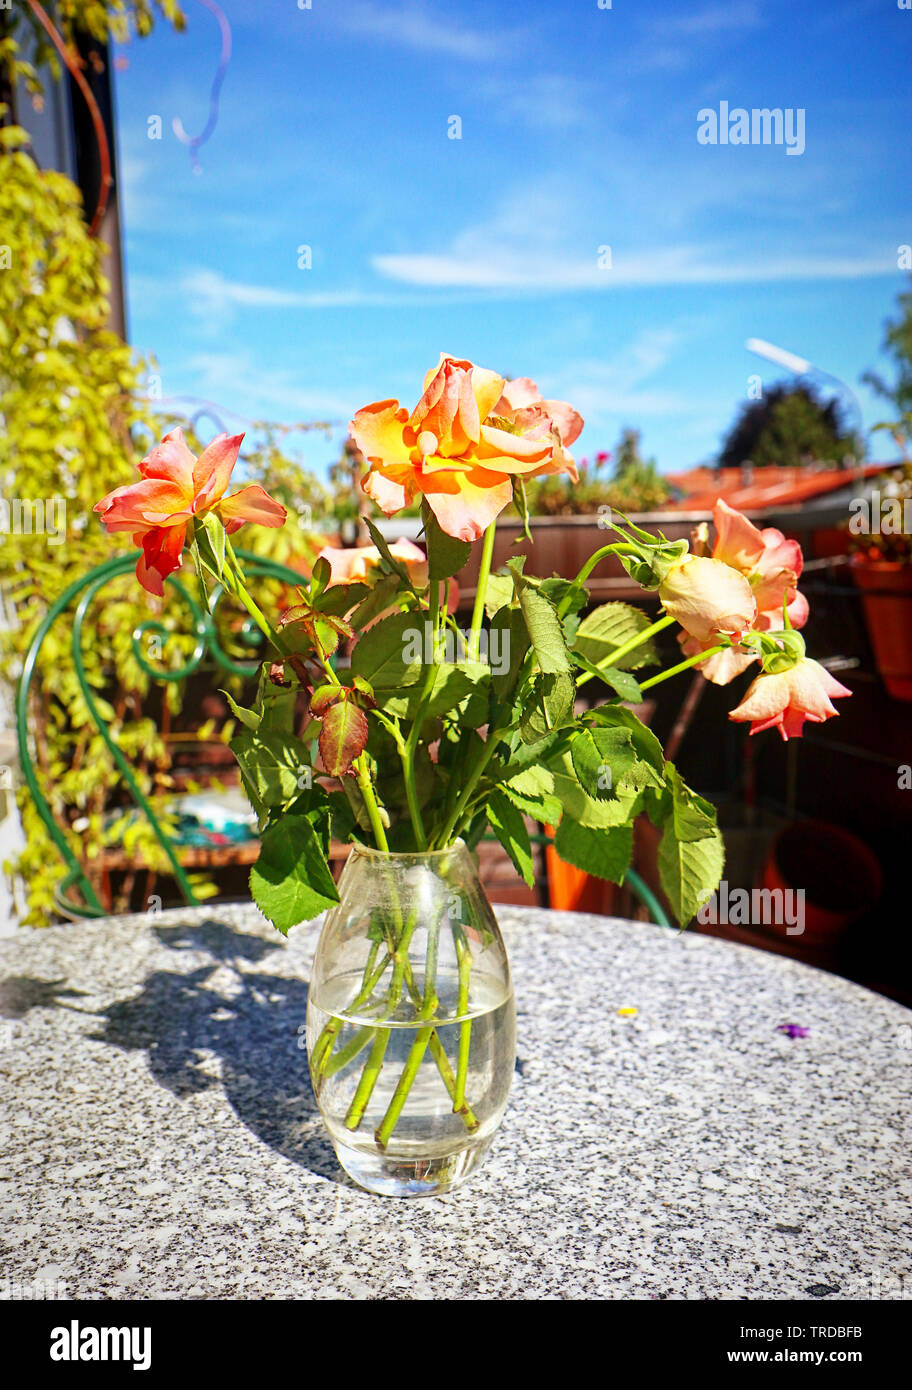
<point>411,1024</point>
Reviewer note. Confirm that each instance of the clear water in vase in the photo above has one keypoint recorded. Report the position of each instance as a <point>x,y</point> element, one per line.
<point>420,1143</point>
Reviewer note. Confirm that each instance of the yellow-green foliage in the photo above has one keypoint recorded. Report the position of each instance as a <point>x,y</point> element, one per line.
<point>69,398</point>
<point>21,31</point>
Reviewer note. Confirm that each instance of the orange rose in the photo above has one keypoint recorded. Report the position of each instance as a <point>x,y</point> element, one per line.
<point>468,437</point>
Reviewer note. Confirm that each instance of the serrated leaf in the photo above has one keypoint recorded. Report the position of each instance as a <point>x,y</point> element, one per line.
<point>689,870</point>
<point>621,682</point>
<point>446,555</point>
<point>601,758</point>
<point>271,764</point>
<point>546,810</point>
<point>340,599</point>
<point>583,808</point>
<point>508,642</point>
<point>648,747</point>
<point>510,828</point>
<point>291,881</point>
<point>606,853</point>
<point>610,626</point>
<point>548,707</point>
<point>250,718</point>
<point>342,737</point>
<point>452,685</point>
<point>498,594</point>
<point>391,653</point>
<point>381,597</point>
<point>545,631</point>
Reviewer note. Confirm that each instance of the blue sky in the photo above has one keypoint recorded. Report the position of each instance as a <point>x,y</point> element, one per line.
<point>579,131</point>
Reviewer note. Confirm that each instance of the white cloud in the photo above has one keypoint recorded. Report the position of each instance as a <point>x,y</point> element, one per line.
<point>208,291</point>
<point>623,388</point>
<point>534,271</point>
<point>413,25</point>
<point>711,19</point>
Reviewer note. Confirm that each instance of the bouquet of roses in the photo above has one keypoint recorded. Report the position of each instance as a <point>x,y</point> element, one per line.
<point>435,732</point>
<point>432,733</point>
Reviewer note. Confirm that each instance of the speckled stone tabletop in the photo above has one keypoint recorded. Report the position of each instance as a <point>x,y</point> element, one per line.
<point>160,1138</point>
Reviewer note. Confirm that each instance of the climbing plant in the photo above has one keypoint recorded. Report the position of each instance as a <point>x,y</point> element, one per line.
<point>74,420</point>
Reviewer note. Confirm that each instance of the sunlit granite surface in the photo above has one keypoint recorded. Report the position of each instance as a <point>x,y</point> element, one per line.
<point>160,1139</point>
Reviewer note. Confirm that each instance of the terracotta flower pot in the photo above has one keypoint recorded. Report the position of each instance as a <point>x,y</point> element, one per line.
<point>839,874</point>
<point>887,590</point>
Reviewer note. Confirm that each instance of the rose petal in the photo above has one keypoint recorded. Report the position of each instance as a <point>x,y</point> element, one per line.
<point>377,431</point>
<point>252,503</point>
<point>212,471</point>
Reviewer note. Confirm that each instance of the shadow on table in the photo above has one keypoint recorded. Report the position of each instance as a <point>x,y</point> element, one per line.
<point>252,1021</point>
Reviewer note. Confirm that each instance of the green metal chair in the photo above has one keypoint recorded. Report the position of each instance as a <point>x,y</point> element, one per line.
<point>207,640</point>
<point>81,593</point>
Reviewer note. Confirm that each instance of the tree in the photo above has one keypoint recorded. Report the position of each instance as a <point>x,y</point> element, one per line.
<point>790,425</point>
<point>897,343</point>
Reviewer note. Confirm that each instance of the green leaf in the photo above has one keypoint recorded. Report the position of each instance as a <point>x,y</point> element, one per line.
<point>548,708</point>
<point>381,597</point>
<point>601,758</point>
<point>605,853</point>
<point>583,808</point>
<point>391,653</point>
<point>689,870</point>
<point>340,599</point>
<point>611,626</point>
<point>691,854</point>
<point>545,631</point>
<point>342,737</point>
<point>693,817</point>
<point>209,534</point>
<point>320,577</point>
<point>622,682</point>
<point>389,559</point>
<point>647,746</point>
<point>446,555</point>
<point>499,593</point>
<point>290,880</point>
<point>510,829</point>
<point>547,810</point>
<point>250,718</point>
<point>272,765</point>
<point>451,686</point>
<point>508,642</point>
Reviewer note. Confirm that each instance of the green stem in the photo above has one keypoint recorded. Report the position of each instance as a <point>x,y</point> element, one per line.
<point>449,1080</point>
<point>484,570</point>
<point>464,957</point>
<point>683,665</point>
<point>405,1083</point>
<point>408,777</point>
<point>484,757</point>
<point>370,801</point>
<point>349,1052</point>
<point>627,647</point>
<point>616,548</point>
<point>233,578</point>
<point>368,1079</point>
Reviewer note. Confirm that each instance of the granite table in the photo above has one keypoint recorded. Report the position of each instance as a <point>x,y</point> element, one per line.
<point>160,1139</point>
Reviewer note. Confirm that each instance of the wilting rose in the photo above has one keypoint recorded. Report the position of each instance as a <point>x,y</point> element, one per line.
<point>708,598</point>
<point>772,565</point>
<point>784,700</point>
<point>468,437</point>
<point>176,487</point>
<point>361,564</point>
